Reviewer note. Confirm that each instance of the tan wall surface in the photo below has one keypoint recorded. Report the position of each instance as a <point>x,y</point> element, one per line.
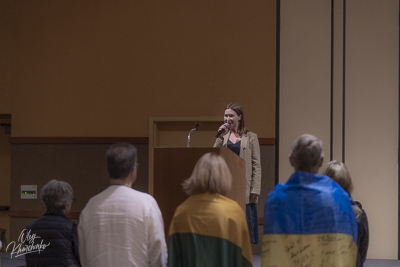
<point>304,75</point>
<point>103,68</point>
<point>372,122</point>
<point>371,100</point>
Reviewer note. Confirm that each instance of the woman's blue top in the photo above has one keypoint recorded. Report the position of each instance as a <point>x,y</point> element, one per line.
<point>234,147</point>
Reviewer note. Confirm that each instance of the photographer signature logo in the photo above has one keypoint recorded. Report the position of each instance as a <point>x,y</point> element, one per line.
<point>26,244</point>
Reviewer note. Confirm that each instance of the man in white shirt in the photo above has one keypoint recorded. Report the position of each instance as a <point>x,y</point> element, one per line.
<point>121,226</point>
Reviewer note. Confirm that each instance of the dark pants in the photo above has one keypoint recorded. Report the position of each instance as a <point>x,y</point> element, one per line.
<point>252,222</point>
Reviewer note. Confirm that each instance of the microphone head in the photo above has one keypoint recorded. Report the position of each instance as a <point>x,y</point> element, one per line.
<point>227,125</point>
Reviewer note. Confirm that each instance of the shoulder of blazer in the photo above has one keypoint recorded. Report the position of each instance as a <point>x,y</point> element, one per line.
<point>250,135</point>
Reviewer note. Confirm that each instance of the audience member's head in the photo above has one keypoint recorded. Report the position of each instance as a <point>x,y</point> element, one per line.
<point>57,196</point>
<point>121,159</point>
<point>338,172</point>
<point>211,174</point>
<point>307,154</point>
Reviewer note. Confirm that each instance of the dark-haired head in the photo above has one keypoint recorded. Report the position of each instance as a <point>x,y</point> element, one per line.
<point>121,158</point>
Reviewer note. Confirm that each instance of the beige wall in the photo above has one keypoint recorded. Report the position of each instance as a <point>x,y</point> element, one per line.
<point>372,93</point>
<point>304,75</point>
<point>371,99</point>
<point>103,68</point>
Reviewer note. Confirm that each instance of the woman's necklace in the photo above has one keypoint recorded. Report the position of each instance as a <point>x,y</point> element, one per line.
<point>235,137</point>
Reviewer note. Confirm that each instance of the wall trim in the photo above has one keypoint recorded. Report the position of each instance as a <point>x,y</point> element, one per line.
<point>99,140</point>
<point>37,214</point>
<point>398,149</point>
<point>267,141</point>
<point>344,86</point>
<point>332,77</point>
<point>277,79</point>
<point>78,140</point>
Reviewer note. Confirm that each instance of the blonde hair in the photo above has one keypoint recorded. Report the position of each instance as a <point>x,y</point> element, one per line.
<point>338,172</point>
<point>211,174</point>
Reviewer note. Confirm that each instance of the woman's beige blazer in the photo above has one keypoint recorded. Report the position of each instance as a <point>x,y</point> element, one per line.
<point>250,152</point>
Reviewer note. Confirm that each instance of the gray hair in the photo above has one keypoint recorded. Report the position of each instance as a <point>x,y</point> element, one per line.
<point>306,153</point>
<point>56,195</point>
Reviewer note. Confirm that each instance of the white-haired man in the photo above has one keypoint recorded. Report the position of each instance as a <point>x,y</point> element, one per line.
<point>309,221</point>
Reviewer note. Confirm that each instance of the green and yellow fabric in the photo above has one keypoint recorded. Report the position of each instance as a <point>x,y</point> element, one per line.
<point>209,230</point>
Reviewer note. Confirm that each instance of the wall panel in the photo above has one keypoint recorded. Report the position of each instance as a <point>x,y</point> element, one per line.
<point>372,88</point>
<point>83,166</point>
<point>98,69</point>
<point>359,120</point>
<point>304,75</point>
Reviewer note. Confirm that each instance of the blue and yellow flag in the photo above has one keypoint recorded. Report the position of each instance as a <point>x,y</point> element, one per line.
<point>309,221</point>
<point>209,230</point>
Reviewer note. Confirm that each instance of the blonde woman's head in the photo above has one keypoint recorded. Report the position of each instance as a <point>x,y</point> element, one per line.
<point>338,172</point>
<point>211,174</point>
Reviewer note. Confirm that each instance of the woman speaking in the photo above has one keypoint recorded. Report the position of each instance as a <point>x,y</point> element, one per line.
<point>234,135</point>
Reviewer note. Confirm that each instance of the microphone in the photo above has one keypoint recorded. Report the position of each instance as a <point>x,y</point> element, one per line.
<point>197,124</point>
<point>222,130</point>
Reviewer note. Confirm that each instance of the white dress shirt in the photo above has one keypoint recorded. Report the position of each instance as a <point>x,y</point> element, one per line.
<point>121,227</point>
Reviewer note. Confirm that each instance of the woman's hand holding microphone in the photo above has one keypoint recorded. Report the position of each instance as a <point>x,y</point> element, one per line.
<point>224,127</point>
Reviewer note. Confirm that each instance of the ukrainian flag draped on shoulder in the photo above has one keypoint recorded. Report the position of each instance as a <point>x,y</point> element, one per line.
<point>209,230</point>
<point>309,221</point>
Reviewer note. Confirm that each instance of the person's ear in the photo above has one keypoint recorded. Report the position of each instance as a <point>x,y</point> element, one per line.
<point>134,173</point>
<point>321,161</point>
<point>67,209</point>
<point>291,160</point>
